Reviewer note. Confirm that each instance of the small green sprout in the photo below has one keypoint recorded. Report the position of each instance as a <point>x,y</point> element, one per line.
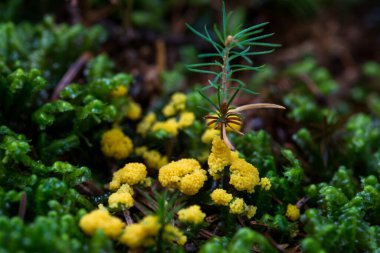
<point>230,47</point>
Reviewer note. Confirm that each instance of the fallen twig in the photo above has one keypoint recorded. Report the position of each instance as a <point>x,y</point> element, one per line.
<point>22,206</point>
<point>70,74</point>
<point>127,217</point>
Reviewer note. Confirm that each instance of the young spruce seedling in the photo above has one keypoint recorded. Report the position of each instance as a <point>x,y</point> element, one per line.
<point>231,48</point>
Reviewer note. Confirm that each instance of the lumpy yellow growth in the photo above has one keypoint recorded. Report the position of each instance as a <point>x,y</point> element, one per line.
<point>133,236</point>
<point>115,144</point>
<point>186,119</point>
<point>221,197</point>
<point>176,103</point>
<point>133,110</point>
<point>120,91</point>
<point>152,158</point>
<point>151,225</point>
<point>101,219</point>
<point>144,126</point>
<point>141,234</point>
<point>173,234</point>
<point>265,184</point>
<point>122,196</point>
<point>168,110</point>
<point>179,99</point>
<point>191,183</point>
<point>185,175</point>
<point>234,156</point>
<point>192,214</point>
<point>244,176</point>
<point>209,135</point>
<point>170,126</point>
<point>219,158</point>
<point>251,211</point>
<point>131,174</point>
<point>237,206</point>
<point>292,212</point>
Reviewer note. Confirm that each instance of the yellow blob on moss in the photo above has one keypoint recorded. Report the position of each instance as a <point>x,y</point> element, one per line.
<point>177,103</point>
<point>152,158</point>
<point>185,175</point>
<point>141,234</point>
<point>192,214</point>
<point>173,234</point>
<point>292,212</point>
<point>101,219</point>
<point>133,236</point>
<point>221,197</point>
<point>219,158</point>
<point>115,144</point>
<point>170,126</point>
<point>168,110</point>
<point>244,176</point>
<point>209,135</point>
<point>179,99</point>
<point>265,183</point>
<point>151,225</point>
<point>122,196</point>
<point>251,211</point>
<point>131,174</point>
<point>237,206</point>
<point>186,119</point>
<point>133,110</point>
<point>145,125</point>
<point>120,91</point>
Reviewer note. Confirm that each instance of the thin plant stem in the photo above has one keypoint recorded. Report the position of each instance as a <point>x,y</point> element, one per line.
<point>225,73</point>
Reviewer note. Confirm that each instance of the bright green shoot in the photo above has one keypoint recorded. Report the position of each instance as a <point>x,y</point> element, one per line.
<point>231,49</point>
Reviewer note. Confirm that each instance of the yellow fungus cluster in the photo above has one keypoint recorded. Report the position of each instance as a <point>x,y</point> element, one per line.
<point>176,118</point>
<point>120,91</point>
<point>133,111</point>
<point>115,144</point>
<point>209,135</point>
<point>170,126</point>
<point>265,183</point>
<point>131,174</point>
<point>243,175</point>
<point>239,207</point>
<point>153,159</point>
<point>251,211</point>
<point>186,175</point>
<point>234,156</point>
<point>219,158</point>
<point>146,123</point>
<point>122,196</point>
<point>101,219</point>
<point>141,234</point>
<point>177,103</point>
<point>292,212</point>
<point>186,119</point>
<point>192,214</point>
<point>221,197</point>
<point>173,234</point>
<point>236,206</point>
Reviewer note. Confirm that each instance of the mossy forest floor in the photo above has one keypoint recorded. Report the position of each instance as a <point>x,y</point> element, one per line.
<point>103,145</point>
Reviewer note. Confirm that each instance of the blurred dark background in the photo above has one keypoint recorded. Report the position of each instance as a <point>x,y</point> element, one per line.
<point>339,33</point>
